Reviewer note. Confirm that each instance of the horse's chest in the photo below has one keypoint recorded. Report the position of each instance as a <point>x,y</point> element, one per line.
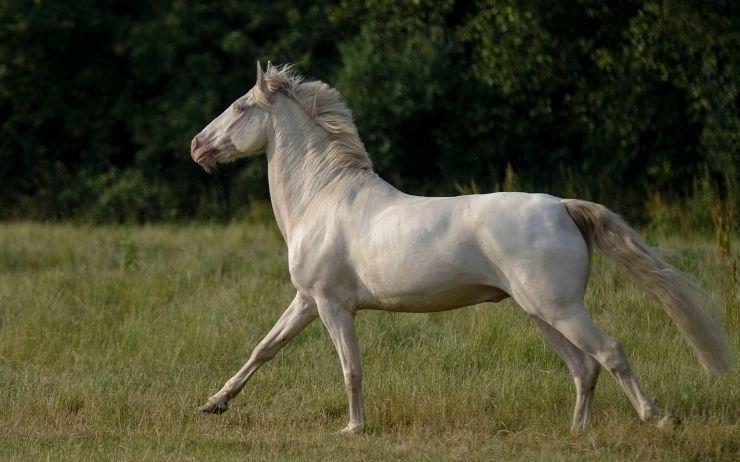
<point>315,266</point>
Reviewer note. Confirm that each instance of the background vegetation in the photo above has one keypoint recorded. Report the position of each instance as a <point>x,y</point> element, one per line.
<point>631,103</point>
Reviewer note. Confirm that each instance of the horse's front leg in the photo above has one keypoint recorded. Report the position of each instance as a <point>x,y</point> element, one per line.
<point>298,315</point>
<point>340,322</point>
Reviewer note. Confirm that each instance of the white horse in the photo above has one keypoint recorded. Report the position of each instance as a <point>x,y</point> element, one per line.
<point>355,242</point>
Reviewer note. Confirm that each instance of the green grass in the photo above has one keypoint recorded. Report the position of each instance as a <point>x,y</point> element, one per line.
<point>110,337</point>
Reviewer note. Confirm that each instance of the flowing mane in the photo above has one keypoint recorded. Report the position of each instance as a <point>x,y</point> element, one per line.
<point>324,105</point>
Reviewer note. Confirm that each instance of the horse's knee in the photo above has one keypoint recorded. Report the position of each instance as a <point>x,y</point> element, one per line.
<point>612,357</point>
<point>586,380</point>
<point>353,378</point>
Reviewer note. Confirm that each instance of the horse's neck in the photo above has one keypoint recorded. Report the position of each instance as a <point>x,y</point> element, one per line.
<point>297,167</point>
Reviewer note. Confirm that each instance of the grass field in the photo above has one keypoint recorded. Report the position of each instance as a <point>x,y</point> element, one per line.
<point>110,337</point>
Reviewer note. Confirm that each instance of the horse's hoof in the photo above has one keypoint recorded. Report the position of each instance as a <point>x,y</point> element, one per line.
<point>669,421</point>
<point>579,429</point>
<point>352,429</point>
<point>212,407</point>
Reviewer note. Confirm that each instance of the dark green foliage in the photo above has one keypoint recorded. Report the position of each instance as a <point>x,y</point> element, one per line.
<point>614,101</point>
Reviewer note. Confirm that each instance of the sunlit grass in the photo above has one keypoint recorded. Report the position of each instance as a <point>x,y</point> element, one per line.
<point>110,337</point>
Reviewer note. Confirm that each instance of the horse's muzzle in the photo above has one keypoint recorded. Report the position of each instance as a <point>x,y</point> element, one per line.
<point>202,154</point>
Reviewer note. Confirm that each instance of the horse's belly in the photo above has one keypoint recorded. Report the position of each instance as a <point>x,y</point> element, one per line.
<point>422,270</point>
<point>430,298</point>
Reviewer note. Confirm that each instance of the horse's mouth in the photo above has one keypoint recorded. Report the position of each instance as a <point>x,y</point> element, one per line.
<point>205,158</point>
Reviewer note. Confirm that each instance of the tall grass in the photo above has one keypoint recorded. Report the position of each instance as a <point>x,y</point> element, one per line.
<point>111,336</point>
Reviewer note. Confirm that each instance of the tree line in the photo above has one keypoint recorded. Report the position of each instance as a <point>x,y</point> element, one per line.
<point>612,101</point>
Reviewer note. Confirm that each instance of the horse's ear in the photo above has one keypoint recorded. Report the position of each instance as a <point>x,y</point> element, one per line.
<point>261,84</point>
<point>269,66</point>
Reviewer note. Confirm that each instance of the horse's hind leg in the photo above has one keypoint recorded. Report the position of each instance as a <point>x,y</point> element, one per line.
<point>574,324</point>
<point>583,367</point>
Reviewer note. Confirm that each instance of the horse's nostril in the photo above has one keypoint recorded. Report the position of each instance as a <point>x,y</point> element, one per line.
<point>194,144</point>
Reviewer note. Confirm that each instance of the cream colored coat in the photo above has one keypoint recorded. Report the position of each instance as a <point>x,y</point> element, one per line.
<point>355,242</point>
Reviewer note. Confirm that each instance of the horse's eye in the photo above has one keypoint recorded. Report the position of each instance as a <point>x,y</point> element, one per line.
<point>238,108</point>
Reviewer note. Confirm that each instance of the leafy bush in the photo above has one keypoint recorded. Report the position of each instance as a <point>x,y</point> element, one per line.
<point>130,198</point>
<point>608,101</point>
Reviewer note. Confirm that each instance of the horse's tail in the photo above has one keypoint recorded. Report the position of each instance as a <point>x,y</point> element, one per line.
<point>673,289</point>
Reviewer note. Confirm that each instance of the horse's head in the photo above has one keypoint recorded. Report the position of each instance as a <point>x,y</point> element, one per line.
<point>241,130</point>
